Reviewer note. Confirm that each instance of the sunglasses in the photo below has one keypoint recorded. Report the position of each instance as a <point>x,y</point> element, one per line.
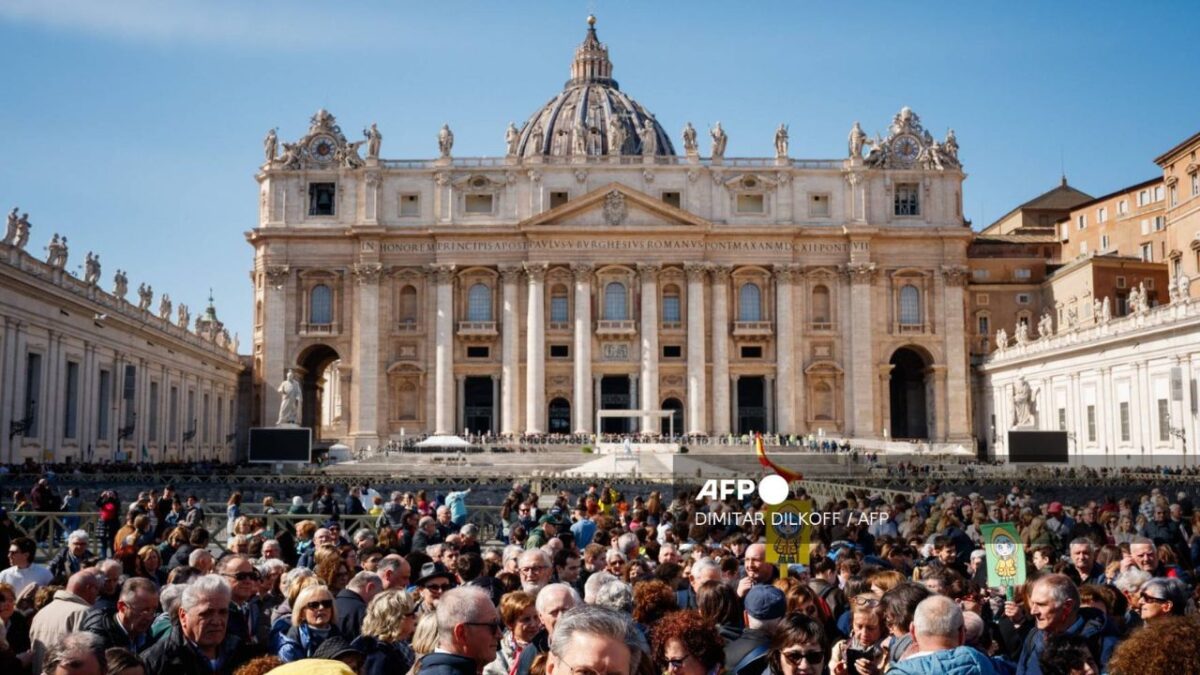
<point>1153,600</point>
<point>246,576</point>
<point>795,656</point>
<point>439,588</point>
<point>494,626</point>
<point>319,604</point>
<point>674,664</point>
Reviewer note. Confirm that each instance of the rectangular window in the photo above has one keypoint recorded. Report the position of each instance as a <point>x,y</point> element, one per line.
<point>1091,423</point>
<point>984,328</point>
<point>980,275</point>
<point>1083,248</point>
<point>818,206</point>
<point>1125,421</point>
<point>1173,195</point>
<point>1021,273</point>
<point>1195,184</point>
<point>71,409</point>
<point>672,351</point>
<point>1147,253</point>
<point>751,204</point>
<point>478,352</point>
<point>670,309</point>
<point>752,352</point>
<point>1143,198</point>
<point>1160,223</point>
<point>907,202</point>
<point>1104,241</point>
<point>560,352</point>
<point>559,309</point>
<point>173,414</point>
<point>1164,420</point>
<point>982,299</point>
<point>1122,207</point>
<point>1102,215</point>
<point>1062,419</point>
<point>1148,282</point>
<point>672,198</point>
<point>190,422</point>
<point>129,394</point>
<point>1022,298</point>
<point>1120,282</point>
<point>321,198</point>
<point>558,198</point>
<point>1158,193</point>
<point>1081,220</point>
<point>1065,232</point>
<point>478,204</point>
<point>204,416</point>
<point>410,206</point>
<point>103,403</point>
<point>152,428</point>
<point>220,437</point>
<point>33,392</point>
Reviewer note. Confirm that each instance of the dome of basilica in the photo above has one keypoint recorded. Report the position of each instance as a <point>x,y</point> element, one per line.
<point>591,116</point>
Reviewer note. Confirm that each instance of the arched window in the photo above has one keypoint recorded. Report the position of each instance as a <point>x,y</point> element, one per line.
<point>820,305</point>
<point>749,303</point>
<point>910,305</point>
<point>616,306</point>
<point>479,303</point>
<point>670,305</point>
<point>560,308</point>
<point>320,305</point>
<point>408,304</point>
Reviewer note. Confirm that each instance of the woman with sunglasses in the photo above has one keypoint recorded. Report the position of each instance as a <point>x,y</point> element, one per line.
<point>521,623</point>
<point>312,623</point>
<point>799,647</point>
<point>686,643</point>
<point>388,626</point>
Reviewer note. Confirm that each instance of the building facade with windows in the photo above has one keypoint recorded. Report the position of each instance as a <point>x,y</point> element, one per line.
<point>593,267</point>
<point>89,375</point>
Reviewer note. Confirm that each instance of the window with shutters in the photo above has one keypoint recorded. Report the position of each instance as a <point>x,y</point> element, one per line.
<point>749,303</point>
<point>320,305</point>
<point>479,303</point>
<point>616,305</point>
<point>910,305</point>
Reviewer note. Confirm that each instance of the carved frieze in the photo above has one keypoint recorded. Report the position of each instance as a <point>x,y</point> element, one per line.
<point>860,273</point>
<point>277,275</point>
<point>615,209</point>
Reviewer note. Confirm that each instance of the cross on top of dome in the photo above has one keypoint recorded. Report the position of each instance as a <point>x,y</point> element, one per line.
<point>591,64</point>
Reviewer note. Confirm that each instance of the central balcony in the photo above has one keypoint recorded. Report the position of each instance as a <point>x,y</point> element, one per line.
<point>753,330</point>
<point>615,328</point>
<point>477,330</point>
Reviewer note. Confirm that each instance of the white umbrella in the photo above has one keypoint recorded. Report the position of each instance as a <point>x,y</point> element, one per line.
<point>443,442</point>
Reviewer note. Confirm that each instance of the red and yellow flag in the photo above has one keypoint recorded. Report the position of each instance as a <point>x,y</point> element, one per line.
<point>789,476</point>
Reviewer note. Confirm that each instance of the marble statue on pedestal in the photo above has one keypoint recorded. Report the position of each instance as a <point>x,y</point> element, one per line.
<point>164,307</point>
<point>1045,327</point>
<point>1024,405</point>
<point>23,228</point>
<point>616,137</point>
<point>719,140</point>
<point>91,269</point>
<point>781,142</point>
<point>120,284</point>
<point>145,297</point>
<point>374,141</point>
<point>290,398</point>
<point>512,138</point>
<point>445,140</point>
<point>1001,340</point>
<point>858,139</point>
<point>649,139</point>
<point>270,145</point>
<point>10,233</point>
<point>690,146</point>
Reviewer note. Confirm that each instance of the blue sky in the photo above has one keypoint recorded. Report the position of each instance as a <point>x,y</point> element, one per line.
<point>135,126</point>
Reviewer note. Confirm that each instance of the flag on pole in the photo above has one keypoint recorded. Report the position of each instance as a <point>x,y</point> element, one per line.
<point>759,450</point>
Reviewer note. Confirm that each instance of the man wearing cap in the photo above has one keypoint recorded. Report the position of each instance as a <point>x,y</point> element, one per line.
<point>434,582</point>
<point>1058,522</point>
<point>765,606</point>
<point>546,529</point>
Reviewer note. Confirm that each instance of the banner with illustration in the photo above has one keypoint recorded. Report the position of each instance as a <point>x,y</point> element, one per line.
<point>789,527</point>
<point>1005,555</point>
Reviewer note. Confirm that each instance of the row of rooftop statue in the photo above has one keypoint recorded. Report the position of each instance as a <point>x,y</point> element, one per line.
<point>1136,303</point>
<point>17,236</point>
<point>927,152</point>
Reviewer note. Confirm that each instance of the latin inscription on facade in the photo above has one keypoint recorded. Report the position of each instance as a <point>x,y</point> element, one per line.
<point>429,247</point>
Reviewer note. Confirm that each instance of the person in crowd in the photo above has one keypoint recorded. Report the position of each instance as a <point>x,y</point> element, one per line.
<point>148,565</point>
<point>23,571</point>
<point>64,613</point>
<point>536,570</point>
<point>1168,647</point>
<point>799,647</point>
<point>351,602</point>
<point>521,626</point>
<point>198,643</point>
<point>1055,607</point>
<point>129,627</point>
<point>596,640</point>
<point>765,607</point>
<point>110,584</point>
<point>71,558</point>
<point>721,605</point>
<point>434,582</point>
<point>864,649</point>
<point>939,633</point>
<point>686,643</point>
<point>75,654</point>
<point>1162,597</point>
<point>387,627</point>
<point>468,632</point>
<point>313,620</point>
<point>1067,654</point>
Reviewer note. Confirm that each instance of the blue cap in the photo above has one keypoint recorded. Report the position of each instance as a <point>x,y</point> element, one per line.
<point>765,602</point>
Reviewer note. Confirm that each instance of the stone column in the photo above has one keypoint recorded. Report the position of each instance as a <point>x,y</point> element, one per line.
<point>862,388</point>
<point>959,422</point>
<point>770,393</point>
<point>649,332</point>
<point>460,413</point>
<point>275,292</point>
<point>634,403</point>
<point>785,352</point>
<point>734,403</point>
<point>510,353</point>
<point>696,362</point>
<point>364,414</point>
<point>598,399</point>
<point>443,377</point>
<point>495,405</point>
<point>720,349</point>
<point>535,350</point>
<point>584,406</point>
<point>937,377</point>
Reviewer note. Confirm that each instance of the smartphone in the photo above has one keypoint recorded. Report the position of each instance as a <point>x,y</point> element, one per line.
<point>852,657</point>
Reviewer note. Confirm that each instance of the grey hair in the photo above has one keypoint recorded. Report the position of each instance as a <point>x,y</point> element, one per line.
<point>1173,590</point>
<point>1131,580</point>
<point>1144,541</point>
<point>458,606</point>
<point>362,534</point>
<point>594,583</point>
<point>937,616</point>
<point>77,535</point>
<point>551,589</point>
<point>512,551</point>
<point>204,587</point>
<point>272,565</point>
<point>363,579</point>
<point>74,643</point>
<point>615,595</point>
<point>105,565</point>
<point>169,597</point>
<point>704,565</point>
<point>542,555</point>
<point>135,585</point>
<point>1082,541</point>
<point>196,555</point>
<point>292,576</point>
<point>1062,589</point>
<point>627,542</point>
<point>600,622</point>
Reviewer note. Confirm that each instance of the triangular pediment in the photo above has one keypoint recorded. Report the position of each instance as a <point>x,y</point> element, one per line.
<point>616,207</point>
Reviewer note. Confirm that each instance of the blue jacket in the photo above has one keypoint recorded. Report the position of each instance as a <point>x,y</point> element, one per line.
<point>447,664</point>
<point>299,643</point>
<point>957,661</point>
<point>1092,624</point>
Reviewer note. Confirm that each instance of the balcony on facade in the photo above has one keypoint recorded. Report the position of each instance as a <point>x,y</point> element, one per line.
<point>408,326</point>
<point>753,330</point>
<point>910,328</point>
<point>615,328</point>
<point>319,329</point>
<point>477,330</point>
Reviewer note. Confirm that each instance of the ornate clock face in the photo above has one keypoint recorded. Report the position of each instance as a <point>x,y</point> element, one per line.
<point>906,148</point>
<point>322,148</point>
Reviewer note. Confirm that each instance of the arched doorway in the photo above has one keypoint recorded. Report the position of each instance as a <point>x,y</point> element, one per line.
<point>908,394</point>
<point>559,417</point>
<point>751,404</point>
<point>320,373</point>
<point>616,394</point>
<point>676,408</point>
<point>478,405</point>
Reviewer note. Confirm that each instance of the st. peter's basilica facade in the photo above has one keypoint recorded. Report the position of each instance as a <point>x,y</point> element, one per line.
<point>595,267</point>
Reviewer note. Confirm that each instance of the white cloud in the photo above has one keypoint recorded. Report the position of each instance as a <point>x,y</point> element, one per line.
<point>261,24</point>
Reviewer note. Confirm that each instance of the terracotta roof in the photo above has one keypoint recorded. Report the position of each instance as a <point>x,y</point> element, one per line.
<point>1062,197</point>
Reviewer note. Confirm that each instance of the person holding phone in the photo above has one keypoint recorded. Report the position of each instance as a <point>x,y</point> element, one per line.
<point>863,653</point>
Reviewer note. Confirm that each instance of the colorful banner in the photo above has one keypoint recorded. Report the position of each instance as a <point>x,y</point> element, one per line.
<point>768,464</point>
<point>1005,555</point>
<point>789,526</point>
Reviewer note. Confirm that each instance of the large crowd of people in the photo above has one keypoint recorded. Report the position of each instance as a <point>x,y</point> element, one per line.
<point>601,583</point>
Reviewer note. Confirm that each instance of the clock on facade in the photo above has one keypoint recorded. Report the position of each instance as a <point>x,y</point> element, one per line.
<point>906,147</point>
<point>322,148</point>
